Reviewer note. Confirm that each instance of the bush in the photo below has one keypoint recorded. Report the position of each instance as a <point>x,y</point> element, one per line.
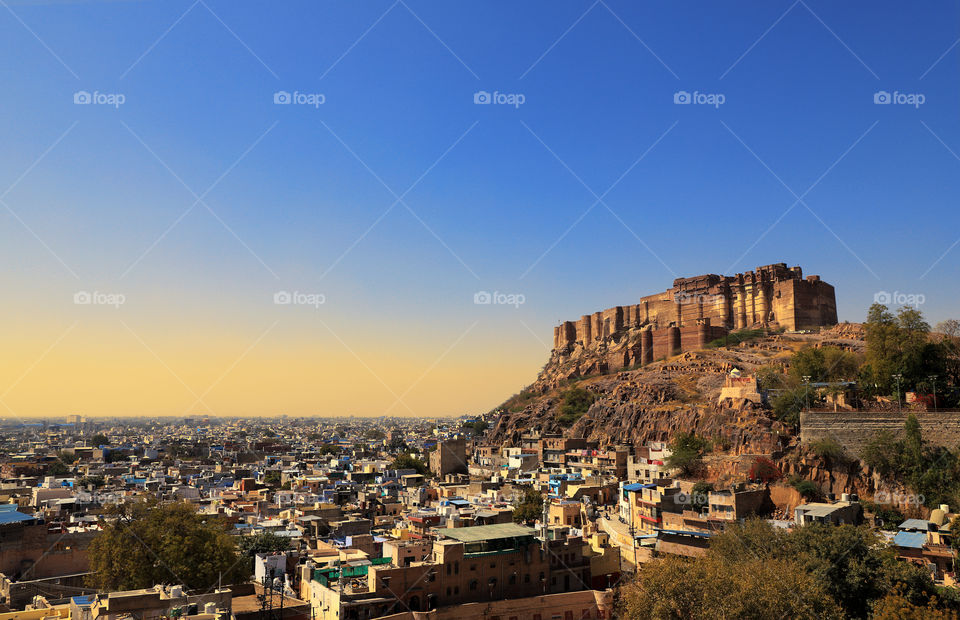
<point>764,470</point>
<point>686,452</point>
<point>517,402</point>
<point>806,488</point>
<point>829,450</point>
<point>575,403</point>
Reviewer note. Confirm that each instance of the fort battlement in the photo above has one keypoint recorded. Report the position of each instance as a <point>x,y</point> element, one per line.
<point>703,308</point>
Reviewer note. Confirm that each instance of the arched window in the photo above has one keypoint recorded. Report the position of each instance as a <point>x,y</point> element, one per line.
<point>414,604</point>
<point>474,584</point>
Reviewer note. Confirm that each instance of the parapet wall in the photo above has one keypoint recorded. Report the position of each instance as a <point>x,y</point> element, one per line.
<point>853,430</point>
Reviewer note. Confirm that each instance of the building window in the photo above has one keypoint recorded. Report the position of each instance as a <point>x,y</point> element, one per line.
<point>456,568</point>
<point>474,584</point>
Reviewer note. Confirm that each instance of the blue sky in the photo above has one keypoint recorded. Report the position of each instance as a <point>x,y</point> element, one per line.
<point>305,198</point>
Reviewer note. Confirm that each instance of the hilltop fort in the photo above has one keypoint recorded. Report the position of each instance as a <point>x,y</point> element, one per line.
<point>693,312</point>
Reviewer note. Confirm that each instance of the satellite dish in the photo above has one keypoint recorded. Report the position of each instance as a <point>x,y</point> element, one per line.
<point>735,373</point>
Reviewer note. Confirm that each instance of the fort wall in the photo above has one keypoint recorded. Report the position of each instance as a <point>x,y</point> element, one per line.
<point>853,430</point>
<point>707,307</point>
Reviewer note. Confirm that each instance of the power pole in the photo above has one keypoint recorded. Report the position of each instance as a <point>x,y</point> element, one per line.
<point>897,377</point>
<point>933,381</point>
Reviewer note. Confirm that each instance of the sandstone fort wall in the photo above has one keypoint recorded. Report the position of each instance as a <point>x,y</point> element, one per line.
<point>853,430</point>
<point>704,308</point>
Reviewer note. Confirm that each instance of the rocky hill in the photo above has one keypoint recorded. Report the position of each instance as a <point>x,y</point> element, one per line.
<point>654,401</point>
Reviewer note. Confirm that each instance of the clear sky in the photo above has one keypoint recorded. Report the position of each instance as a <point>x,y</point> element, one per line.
<point>234,151</point>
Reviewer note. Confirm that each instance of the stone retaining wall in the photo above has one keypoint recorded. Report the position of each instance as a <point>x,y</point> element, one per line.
<point>853,430</point>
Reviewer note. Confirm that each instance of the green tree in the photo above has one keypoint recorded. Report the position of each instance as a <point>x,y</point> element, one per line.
<point>700,496</point>
<point>900,344</point>
<point>950,328</point>
<point>750,587</point>
<point>955,533</point>
<point>68,456</point>
<point>264,542</point>
<point>930,471</point>
<point>96,481</point>
<point>528,507</point>
<point>477,426</point>
<point>788,404</point>
<point>58,468</point>
<point>143,544</point>
<point>99,440</point>
<point>686,453</point>
<point>753,570</point>
<point>408,461</point>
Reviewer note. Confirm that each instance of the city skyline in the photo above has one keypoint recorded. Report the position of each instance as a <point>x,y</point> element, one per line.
<point>248,210</point>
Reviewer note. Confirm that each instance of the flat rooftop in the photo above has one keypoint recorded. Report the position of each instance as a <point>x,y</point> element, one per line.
<point>487,532</point>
